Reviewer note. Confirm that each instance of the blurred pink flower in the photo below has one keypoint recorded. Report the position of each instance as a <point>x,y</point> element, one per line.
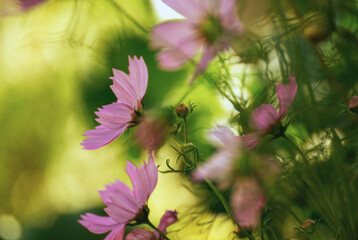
<point>219,167</point>
<point>115,118</point>
<point>265,118</point>
<point>210,24</point>
<point>247,201</point>
<point>12,7</point>
<point>123,204</point>
<point>167,219</point>
<point>353,102</point>
<point>27,4</point>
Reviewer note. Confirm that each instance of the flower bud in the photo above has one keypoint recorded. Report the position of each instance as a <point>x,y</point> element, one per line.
<point>353,104</point>
<point>182,110</point>
<point>317,27</point>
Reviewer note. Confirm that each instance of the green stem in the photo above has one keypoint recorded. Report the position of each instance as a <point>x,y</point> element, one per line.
<point>297,148</point>
<point>156,229</point>
<point>227,208</point>
<point>185,131</point>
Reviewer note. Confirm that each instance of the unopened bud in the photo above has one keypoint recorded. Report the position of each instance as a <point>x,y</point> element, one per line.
<point>317,27</point>
<point>182,110</point>
<point>353,104</point>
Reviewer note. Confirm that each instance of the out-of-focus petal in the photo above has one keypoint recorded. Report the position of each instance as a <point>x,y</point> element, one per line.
<point>209,53</point>
<point>286,94</point>
<point>226,138</point>
<point>169,218</point>
<point>27,4</point>
<point>247,200</point>
<point>188,8</point>
<point>179,40</point>
<point>251,140</point>
<point>140,234</point>
<point>98,224</point>
<point>264,117</point>
<point>229,18</point>
<point>353,103</point>
<point>101,136</point>
<point>218,168</point>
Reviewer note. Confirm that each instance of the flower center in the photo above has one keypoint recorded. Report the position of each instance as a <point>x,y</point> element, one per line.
<point>142,215</point>
<point>211,29</point>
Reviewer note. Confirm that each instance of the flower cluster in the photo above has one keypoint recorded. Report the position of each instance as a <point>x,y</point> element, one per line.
<point>242,173</point>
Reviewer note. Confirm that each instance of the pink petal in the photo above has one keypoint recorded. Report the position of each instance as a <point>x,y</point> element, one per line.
<point>218,168</point>
<point>119,194</point>
<point>286,94</point>
<point>143,179</point>
<point>167,219</point>
<point>124,89</point>
<point>251,140</point>
<point>188,8</point>
<point>179,40</point>
<point>140,234</point>
<point>353,102</point>
<point>114,115</point>
<point>264,117</point>
<point>228,17</point>
<point>247,201</point>
<point>227,140</point>
<point>101,136</point>
<point>98,224</point>
<point>209,53</point>
<point>139,75</point>
<point>118,213</point>
<point>116,234</point>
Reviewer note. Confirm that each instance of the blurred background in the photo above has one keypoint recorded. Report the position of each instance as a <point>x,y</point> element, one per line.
<point>56,58</point>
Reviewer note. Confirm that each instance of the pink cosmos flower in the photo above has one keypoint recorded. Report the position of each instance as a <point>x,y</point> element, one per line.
<point>123,204</point>
<point>219,167</point>
<point>265,118</point>
<point>167,219</point>
<point>210,24</point>
<point>247,201</point>
<point>115,118</point>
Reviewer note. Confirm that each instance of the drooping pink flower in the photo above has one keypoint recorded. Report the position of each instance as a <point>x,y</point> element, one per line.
<point>167,219</point>
<point>115,118</point>
<point>210,24</point>
<point>247,201</point>
<point>219,166</point>
<point>123,204</point>
<point>265,118</point>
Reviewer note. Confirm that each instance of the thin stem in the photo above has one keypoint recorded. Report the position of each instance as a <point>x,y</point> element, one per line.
<point>185,131</point>
<point>297,148</point>
<point>227,208</point>
<point>156,229</point>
